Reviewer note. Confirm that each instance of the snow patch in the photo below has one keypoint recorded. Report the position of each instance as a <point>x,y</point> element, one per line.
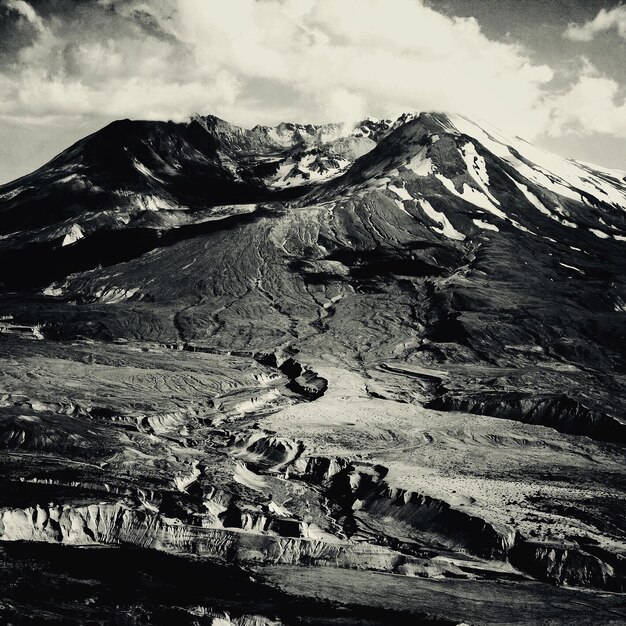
<point>571,267</point>
<point>446,227</point>
<point>563,177</point>
<point>522,228</point>
<point>420,164</point>
<point>533,199</point>
<point>73,235</point>
<point>141,168</point>
<point>471,195</point>
<point>69,179</point>
<point>477,169</point>
<point>401,192</point>
<point>310,168</point>
<point>400,205</point>
<point>486,225</point>
<point>599,233</point>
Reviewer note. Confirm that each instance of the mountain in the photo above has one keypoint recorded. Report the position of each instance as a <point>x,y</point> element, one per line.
<point>396,348</point>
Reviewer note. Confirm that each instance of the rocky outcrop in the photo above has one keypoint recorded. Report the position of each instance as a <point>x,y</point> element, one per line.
<point>319,469</point>
<point>560,412</point>
<point>225,619</point>
<point>265,450</point>
<point>117,524</point>
<point>78,525</point>
<point>303,380</point>
<point>569,564</point>
<point>362,493</point>
<point>425,518</point>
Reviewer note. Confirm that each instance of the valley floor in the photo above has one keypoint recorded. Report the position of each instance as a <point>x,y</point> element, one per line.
<point>260,461</point>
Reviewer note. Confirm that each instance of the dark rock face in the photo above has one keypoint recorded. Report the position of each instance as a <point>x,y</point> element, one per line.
<point>426,516</point>
<point>562,413</point>
<point>397,348</point>
<point>569,565</point>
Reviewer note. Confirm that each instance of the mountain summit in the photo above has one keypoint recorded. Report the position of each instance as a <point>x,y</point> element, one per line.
<point>173,170</point>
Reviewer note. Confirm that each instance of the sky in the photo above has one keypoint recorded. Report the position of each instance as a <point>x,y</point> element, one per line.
<point>551,71</point>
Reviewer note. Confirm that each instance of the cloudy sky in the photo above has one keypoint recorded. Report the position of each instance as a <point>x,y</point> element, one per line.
<point>552,71</point>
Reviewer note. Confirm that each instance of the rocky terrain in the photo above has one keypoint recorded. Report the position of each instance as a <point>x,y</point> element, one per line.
<point>313,375</point>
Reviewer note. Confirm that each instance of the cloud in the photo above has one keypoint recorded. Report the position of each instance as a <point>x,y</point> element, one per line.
<point>19,26</point>
<point>267,61</point>
<point>604,21</point>
<point>23,8</point>
<point>592,105</point>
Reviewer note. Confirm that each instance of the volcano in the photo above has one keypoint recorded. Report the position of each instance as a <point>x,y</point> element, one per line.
<point>397,350</point>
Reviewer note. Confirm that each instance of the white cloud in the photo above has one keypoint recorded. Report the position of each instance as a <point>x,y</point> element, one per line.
<point>272,60</point>
<point>604,21</point>
<point>27,11</point>
<point>591,105</point>
<point>323,60</point>
<point>385,58</point>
